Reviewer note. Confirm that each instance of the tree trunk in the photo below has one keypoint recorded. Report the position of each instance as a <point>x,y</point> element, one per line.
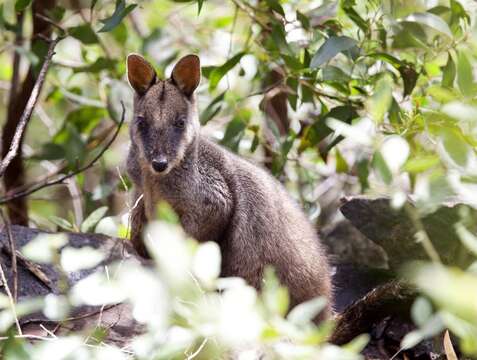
<point>14,176</point>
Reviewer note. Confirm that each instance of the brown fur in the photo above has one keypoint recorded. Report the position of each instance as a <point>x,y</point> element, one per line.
<point>218,195</point>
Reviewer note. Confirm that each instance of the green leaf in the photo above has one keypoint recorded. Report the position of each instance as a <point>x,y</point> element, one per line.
<point>200,3</point>
<point>166,213</point>
<point>363,174</point>
<point>62,223</point>
<point>86,118</point>
<point>421,311</point>
<point>379,103</point>
<point>356,18</point>
<point>50,151</point>
<point>409,77</point>
<point>421,164</point>
<point>120,12</point>
<point>320,130</point>
<point>255,142</point>
<point>305,312</point>
<point>72,143</point>
<point>441,94</point>
<point>44,248</point>
<point>292,62</point>
<point>235,130</point>
<point>278,39</point>
<point>15,348</point>
<point>382,168</point>
<point>430,20</point>
<point>292,83</point>
<point>334,74</point>
<point>303,19</point>
<point>468,239</point>
<point>341,164</point>
<point>217,73</point>
<point>206,263</point>
<point>458,12</point>
<point>395,62</point>
<point>275,6</point>
<point>93,4</point>
<point>395,112</point>
<point>93,219</point>
<point>411,339</point>
<point>357,344</point>
<point>275,296</point>
<point>21,5</point>
<point>212,109</point>
<point>332,46</point>
<point>84,33</point>
<point>465,75</point>
<point>57,13</point>
<point>410,36</point>
<point>99,65</point>
<point>455,146</point>
<point>448,72</point>
<point>431,328</point>
<point>75,259</point>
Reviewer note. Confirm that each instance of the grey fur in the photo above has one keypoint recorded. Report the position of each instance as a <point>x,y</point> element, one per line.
<point>221,197</point>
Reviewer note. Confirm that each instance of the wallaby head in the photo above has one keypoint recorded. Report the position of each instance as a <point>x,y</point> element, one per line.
<point>165,120</point>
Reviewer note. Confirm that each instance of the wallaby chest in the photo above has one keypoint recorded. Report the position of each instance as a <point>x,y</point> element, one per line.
<point>199,195</point>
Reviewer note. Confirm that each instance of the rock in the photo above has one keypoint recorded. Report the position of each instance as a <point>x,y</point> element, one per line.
<point>40,280</point>
<point>347,245</point>
<point>367,299</point>
<point>394,232</point>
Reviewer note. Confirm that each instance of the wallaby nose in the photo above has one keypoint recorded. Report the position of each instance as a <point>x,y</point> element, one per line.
<point>159,165</point>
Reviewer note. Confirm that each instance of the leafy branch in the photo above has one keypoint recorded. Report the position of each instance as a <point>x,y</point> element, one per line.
<point>61,179</point>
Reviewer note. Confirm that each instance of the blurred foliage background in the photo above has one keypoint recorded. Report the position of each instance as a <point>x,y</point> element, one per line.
<point>336,98</point>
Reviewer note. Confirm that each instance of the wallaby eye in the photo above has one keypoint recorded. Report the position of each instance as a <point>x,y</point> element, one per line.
<point>179,123</point>
<point>140,121</point>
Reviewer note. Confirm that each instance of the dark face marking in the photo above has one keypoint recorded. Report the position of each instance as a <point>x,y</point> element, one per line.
<point>164,126</point>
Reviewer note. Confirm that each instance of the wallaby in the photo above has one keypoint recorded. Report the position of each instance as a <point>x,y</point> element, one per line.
<point>217,195</point>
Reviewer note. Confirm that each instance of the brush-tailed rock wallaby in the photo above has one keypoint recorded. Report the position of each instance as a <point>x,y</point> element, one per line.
<point>217,195</point>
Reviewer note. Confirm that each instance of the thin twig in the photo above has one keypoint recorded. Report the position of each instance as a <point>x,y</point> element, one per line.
<point>10,299</point>
<point>51,22</point>
<point>421,234</point>
<point>52,334</point>
<point>62,178</point>
<point>251,14</point>
<point>13,255</point>
<point>190,357</point>
<point>12,152</point>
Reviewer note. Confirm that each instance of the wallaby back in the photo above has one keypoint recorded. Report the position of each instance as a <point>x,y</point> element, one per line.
<point>217,195</point>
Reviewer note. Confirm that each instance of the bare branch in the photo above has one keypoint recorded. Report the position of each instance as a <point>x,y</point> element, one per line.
<point>32,268</point>
<point>13,255</point>
<point>62,178</point>
<point>10,298</point>
<point>12,152</point>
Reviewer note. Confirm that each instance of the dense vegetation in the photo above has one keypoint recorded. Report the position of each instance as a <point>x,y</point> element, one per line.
<point>335,98</point>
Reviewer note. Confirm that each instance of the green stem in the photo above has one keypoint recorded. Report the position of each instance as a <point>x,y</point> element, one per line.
<point>421,234</point>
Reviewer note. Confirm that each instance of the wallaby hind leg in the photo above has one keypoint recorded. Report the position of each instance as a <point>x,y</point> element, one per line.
<point>137,221</point>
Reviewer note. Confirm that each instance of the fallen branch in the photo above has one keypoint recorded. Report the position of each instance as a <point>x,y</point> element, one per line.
<point>31,267</point>
<point>62,178</point>
<point>30,106</point>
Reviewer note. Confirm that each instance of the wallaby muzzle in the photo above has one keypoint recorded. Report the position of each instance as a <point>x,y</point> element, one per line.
<point>159,164</point>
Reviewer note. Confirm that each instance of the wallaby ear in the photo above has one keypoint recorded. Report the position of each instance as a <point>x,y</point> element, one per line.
<point>186,74</point>
<point>141,74</point>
